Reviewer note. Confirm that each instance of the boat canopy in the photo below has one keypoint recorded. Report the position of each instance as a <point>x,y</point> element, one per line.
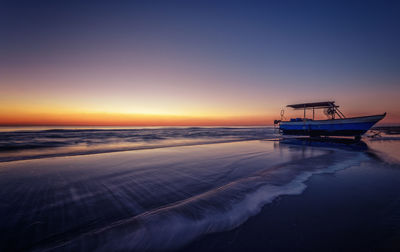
<point>327,104</point>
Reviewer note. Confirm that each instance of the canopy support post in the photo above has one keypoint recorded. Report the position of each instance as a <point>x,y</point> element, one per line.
<point>340,113</point>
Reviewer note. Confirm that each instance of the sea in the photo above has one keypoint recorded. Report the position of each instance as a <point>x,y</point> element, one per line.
<point>168,188</point>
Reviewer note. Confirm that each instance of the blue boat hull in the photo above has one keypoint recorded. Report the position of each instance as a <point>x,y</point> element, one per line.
<point>355,126</point>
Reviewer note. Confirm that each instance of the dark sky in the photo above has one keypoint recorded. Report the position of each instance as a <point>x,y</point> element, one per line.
<point>265,53</point>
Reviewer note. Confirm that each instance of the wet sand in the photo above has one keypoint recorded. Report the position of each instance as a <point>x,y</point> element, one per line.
<point>258,195</point>
<point>355,209</point>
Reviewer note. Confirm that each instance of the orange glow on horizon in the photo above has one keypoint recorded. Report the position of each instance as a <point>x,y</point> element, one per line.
<point>116,119</point>
<point>124,107</point>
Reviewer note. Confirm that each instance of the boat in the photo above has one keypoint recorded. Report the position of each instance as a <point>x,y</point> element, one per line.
<point>337,123</point>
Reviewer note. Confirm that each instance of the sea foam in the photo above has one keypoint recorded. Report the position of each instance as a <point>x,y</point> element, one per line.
<point>222,208</point>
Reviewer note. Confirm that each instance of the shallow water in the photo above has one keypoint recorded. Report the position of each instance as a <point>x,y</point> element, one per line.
<point>160,198</point>
<point>38,142</point>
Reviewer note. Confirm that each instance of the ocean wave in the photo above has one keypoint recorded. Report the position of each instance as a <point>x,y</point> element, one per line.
<point>222,208</point>
<point>31,144</point>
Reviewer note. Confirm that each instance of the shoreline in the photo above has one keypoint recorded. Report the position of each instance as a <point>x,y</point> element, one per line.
<point>96,152</point>
<point>191,196</point>
<point>213,186</point>
<point>355,209</point>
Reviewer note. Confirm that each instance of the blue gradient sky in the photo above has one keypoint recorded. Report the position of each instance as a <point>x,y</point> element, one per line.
<point>209,60</point>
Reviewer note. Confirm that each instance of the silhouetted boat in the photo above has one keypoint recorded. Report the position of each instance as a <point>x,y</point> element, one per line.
<point>341,126</point>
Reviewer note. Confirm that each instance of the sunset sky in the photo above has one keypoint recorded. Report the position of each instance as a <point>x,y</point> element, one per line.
<point>195,62</point>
